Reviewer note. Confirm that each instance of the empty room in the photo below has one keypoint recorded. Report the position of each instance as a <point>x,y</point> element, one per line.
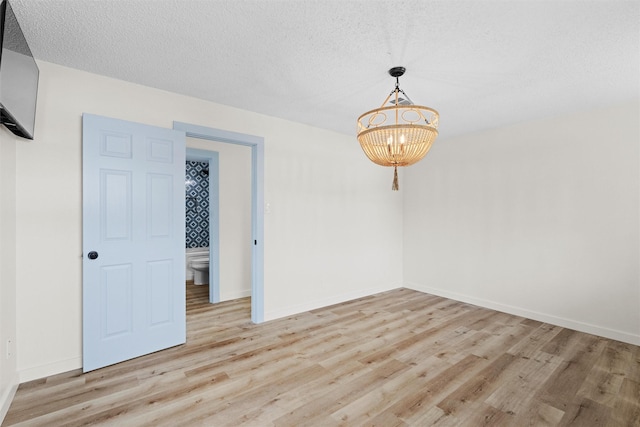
<point>349,213</point>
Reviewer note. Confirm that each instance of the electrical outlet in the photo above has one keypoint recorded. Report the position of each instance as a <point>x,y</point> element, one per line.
<point>9,354</point>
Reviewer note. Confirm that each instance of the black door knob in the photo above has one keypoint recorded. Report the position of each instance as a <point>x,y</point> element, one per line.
<point>93,255</point>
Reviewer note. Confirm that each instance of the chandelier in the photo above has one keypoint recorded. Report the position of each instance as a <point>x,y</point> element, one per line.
<point>399,134</point>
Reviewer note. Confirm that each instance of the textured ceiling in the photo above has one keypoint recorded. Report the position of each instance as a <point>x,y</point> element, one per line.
<point>481,64</point>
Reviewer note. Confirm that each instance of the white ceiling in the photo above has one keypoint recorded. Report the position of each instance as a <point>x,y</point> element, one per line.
<point>481,64</point>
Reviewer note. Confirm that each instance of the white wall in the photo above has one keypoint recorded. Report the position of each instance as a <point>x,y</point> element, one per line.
<point>334,231</point>
<point>235,215</point>
<point>335,227</point>
<point>8,366</point>
<point>538,219</point>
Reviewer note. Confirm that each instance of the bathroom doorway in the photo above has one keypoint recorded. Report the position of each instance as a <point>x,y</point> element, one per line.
<point>202,221</point>
<point>244,249</point>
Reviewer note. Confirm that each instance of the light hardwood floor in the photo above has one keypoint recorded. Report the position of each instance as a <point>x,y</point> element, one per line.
<point>394,359</point>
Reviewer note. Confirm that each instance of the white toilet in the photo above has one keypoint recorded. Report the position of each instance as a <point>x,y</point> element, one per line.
<point>197,263</point>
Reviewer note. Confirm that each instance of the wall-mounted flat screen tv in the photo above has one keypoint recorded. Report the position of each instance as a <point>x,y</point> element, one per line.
<point>18,76</point>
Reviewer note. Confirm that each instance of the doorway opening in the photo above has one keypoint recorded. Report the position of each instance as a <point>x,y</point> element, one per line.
<point>202,221</point>
<point>256,241</point>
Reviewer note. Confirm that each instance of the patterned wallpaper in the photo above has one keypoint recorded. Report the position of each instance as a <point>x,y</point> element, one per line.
<point>197,205</point>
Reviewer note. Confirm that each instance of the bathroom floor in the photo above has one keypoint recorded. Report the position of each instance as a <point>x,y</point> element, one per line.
<point>197,295</point>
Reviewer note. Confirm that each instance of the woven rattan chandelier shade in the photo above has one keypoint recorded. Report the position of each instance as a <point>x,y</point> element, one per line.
<point>400,134</point>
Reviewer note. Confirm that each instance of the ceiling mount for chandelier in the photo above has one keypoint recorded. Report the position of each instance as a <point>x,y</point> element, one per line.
<point>399,134</point>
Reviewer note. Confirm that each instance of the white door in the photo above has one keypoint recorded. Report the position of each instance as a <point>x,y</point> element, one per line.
<point>133,286</point>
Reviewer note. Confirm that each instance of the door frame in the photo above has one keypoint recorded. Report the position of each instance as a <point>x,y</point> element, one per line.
<point>257,202</point>
<point>212,159</point>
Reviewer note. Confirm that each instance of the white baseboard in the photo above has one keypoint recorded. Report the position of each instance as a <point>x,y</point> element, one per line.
<point>7,397</point>
<point>529,314</point>
<point>315,304</point>
<point>49,369</point>
<point>235,295</point>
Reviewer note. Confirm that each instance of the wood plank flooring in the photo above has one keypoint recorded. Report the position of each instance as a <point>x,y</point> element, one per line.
<point>400,358</point>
